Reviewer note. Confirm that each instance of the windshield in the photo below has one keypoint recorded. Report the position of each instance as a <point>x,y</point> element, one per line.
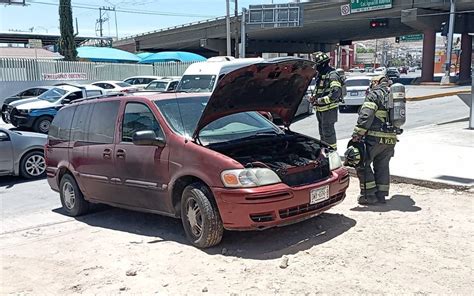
<point>157,85</point>
<point>357,82</point>
<point>52,95</point>
<point>228,128</point>
<point>123,84</point>
<point>197,83</point>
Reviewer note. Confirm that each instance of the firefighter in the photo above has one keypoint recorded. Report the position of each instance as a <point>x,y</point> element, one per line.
<point>326,96</point>
<point>373,129</point>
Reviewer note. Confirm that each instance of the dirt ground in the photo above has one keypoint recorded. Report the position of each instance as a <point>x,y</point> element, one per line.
<point>421,242</point>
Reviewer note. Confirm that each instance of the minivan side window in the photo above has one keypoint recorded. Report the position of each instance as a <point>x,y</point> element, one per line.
<point>60,128</point>
<point>138,117</point>
<point>80,123</point>
<point>102,122</point>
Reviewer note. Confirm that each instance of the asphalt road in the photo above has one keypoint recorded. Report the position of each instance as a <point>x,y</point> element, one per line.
<point>24,203</point>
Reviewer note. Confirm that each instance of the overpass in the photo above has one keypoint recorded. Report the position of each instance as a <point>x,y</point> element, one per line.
<point>322,27</point>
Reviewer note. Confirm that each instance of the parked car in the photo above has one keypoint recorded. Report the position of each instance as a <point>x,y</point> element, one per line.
<point>21,154</point>
<point>393,73</point>
<point>164,84</point>
<point>25,94</point>
<point>357,70</point>
<point>37,113</point>
<point>114,87</point>
<point>380,71</point>
<point>140,82</point>
<point>205,158</point>
<point>357,89</point>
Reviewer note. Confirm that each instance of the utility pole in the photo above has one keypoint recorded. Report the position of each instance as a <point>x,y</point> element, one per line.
<point>227,23</point>
<point>236,27</point>
<point>452,11</point>
<point>243,36</point>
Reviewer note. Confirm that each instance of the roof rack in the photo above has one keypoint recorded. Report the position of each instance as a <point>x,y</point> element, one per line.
<point>98,97</point>
<point>70,84</point>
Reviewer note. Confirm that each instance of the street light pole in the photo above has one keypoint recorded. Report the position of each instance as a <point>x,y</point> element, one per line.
<point>227,22</point>
<point>449,50</point>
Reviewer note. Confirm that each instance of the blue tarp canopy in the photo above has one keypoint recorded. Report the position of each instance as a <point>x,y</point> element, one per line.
<point>105,54</point>
<point>143,55</point>
<point>173,56</point>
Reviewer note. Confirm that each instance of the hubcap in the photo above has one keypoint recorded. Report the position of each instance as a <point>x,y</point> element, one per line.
<point>194,216</point>
<point>69,195</point>
<point>44,125</point>
<point>35,165</point>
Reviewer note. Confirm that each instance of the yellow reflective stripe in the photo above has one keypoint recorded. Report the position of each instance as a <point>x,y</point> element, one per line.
<point>333,146</point>
<point>327,107</point>
<point>326,100</point>
<point>381,114</point>
<point>360,130</point>
<point>370,105</point>
<point>383,187</point>
<point>382,134</point>
<point>368,185</point>
<point>320,90</point>
<point>335,84</point>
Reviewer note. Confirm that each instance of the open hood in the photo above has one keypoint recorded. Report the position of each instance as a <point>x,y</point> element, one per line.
<point>276,85</point>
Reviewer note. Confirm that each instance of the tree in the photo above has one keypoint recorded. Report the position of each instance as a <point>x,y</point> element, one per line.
<point>67,46</point>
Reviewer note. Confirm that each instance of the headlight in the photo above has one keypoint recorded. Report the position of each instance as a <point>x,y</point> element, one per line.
<point>249,177</point>
<point>23,111</point>
<point>334,161</point>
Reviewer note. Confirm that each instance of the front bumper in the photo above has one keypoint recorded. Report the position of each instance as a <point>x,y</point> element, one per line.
<point>276,205</point>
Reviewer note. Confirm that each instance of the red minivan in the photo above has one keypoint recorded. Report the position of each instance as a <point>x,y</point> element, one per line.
<point>208,159</point>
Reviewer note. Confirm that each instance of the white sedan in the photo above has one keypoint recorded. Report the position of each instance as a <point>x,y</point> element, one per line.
<point>357,88</point>
<point>114,87</point>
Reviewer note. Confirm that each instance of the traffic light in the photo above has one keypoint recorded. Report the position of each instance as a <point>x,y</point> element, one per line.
<point>379,23</point>
<point>444,28</point>
<point>397,39</point>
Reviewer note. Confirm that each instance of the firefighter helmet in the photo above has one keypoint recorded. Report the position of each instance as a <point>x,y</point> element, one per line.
<point>379,79</point>
<point>320,58</point>
<point>354,155</point>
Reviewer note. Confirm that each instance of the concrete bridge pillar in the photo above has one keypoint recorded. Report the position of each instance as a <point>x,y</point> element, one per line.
<point>466,56</point>
<point>427,67</point>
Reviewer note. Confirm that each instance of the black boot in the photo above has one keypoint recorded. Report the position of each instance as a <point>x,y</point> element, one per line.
<point>368,199</point>
<point>381,198</point>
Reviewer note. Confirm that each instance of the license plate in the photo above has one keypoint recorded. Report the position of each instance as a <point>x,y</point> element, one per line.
<point>319,195</point>
<point>354,93</point>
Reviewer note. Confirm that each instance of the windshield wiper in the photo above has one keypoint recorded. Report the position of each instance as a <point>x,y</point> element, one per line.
<point>262,134</point>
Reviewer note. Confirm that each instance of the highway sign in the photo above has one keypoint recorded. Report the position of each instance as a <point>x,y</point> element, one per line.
<point>35,43</point>
<point>12,2</point>
<point>274,15</point>
<point>345,9</point>
<point>411,38</point>
<point>369,5</point>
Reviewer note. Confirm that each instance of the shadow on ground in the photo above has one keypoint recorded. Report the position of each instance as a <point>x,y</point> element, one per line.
<point>401,203</point>
<point>8,182</point>
<point>262,245</point>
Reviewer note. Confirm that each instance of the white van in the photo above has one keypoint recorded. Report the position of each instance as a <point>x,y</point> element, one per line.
<point>203,76</point>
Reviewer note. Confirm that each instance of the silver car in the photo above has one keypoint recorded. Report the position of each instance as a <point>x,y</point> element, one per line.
<point>357,88</point>
<point>22,153</point>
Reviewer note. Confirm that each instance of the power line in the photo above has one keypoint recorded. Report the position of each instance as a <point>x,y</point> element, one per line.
<point>122,10</point>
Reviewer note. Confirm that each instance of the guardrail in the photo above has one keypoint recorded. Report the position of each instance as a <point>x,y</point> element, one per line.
<point>41,70</point>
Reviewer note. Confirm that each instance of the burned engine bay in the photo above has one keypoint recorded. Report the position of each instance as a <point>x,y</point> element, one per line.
<point>296,159</point>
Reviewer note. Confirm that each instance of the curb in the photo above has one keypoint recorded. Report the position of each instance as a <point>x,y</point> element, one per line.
<point>439,95</point>
<point>420,182</point>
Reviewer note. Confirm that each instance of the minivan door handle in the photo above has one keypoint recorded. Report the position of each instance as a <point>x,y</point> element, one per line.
<point>120,153</point>
<point>107,154</point>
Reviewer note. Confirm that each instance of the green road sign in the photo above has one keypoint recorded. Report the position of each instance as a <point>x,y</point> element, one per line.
<point>369,5</point>
<point>410,38</point>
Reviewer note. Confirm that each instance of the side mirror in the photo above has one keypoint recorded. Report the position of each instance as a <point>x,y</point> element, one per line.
<point>66,101</point>
<point>4,136</point>
<point>147,138</point>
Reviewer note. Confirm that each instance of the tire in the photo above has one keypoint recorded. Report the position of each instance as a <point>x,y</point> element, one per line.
<point>74,205</point>
<point>42,124</point>
<point>199,208</point>
<point>33,165</point>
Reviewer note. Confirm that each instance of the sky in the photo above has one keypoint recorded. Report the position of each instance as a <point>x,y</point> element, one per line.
<point>42,15</point>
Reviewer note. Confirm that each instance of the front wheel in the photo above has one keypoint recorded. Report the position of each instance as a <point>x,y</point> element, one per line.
<point>200,216</point>
<point>42,124</point>
<point>33,165</point>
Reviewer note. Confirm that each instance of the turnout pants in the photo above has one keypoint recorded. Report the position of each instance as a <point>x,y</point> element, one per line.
<point>326,121</point>
<point>376,173</point>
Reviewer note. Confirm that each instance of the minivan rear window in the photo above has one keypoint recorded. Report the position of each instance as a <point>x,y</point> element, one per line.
<point>80,123</point>
<point>60,128</point>
<point>102,122</point>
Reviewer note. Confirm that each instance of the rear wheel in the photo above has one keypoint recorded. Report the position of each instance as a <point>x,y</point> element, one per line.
<point>200,216</point>
<point>33,165</point>
<point>72,199</point>
<point>42,124</point>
